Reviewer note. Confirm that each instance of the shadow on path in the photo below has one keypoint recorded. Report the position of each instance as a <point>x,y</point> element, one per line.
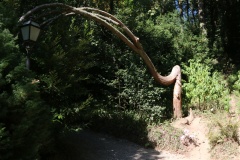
<point>88,145</point>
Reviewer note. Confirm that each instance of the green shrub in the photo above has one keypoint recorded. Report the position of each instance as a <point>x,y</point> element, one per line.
<point>234,80</point>
<point>205,90</point>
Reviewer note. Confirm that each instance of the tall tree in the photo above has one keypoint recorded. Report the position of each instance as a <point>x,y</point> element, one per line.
<point>202,17</point>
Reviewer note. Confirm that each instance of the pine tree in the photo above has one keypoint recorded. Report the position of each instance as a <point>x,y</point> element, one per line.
<point>24,118</point>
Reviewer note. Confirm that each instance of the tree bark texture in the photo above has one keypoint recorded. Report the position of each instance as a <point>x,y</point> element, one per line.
<point>112,23</point>
<point>201,17</point>
<point>180,5</point>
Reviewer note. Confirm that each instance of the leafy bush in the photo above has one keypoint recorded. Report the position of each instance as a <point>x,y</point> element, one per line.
<point>234,80</point>
<point>137,93</point>
<point>205,90</point>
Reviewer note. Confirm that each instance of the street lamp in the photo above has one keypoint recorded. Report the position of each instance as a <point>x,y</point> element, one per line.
<point>30,31</point>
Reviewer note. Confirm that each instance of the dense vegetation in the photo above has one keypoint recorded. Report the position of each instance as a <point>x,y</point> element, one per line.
<point>82,75</point>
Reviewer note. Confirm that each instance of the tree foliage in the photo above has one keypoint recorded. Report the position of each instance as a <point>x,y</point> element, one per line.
<point>205,90</point>
<point>81,73</point>
<point>25,119</point>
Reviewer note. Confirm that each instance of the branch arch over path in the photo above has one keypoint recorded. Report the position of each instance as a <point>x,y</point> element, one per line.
<point>55,10</point>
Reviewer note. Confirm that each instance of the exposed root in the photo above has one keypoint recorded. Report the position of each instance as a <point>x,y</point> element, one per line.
<point>188,120</point>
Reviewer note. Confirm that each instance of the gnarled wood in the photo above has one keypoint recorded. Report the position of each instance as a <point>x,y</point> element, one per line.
<point>109,21</point>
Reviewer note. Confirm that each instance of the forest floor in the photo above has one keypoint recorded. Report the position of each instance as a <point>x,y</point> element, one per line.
<point>200,127</point>
<point>88,145</point>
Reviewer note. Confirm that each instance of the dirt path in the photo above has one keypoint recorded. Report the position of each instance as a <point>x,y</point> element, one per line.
<point>91,146</point>
<point>94,146</point>
<point>199,129</point>
<point>88,145</point>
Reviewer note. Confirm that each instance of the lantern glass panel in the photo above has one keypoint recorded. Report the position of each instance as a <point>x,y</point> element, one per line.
<point>34,33</point>
<point>25,33</point>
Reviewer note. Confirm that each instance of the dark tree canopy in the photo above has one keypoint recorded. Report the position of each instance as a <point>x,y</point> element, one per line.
<point>83,75</point>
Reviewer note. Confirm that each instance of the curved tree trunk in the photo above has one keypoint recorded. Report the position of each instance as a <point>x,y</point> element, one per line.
<point>132,41</point>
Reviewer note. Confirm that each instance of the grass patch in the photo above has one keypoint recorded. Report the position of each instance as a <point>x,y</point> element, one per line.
<point>166,137</point>
<point>223,135</point>
<point>226,150</point>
